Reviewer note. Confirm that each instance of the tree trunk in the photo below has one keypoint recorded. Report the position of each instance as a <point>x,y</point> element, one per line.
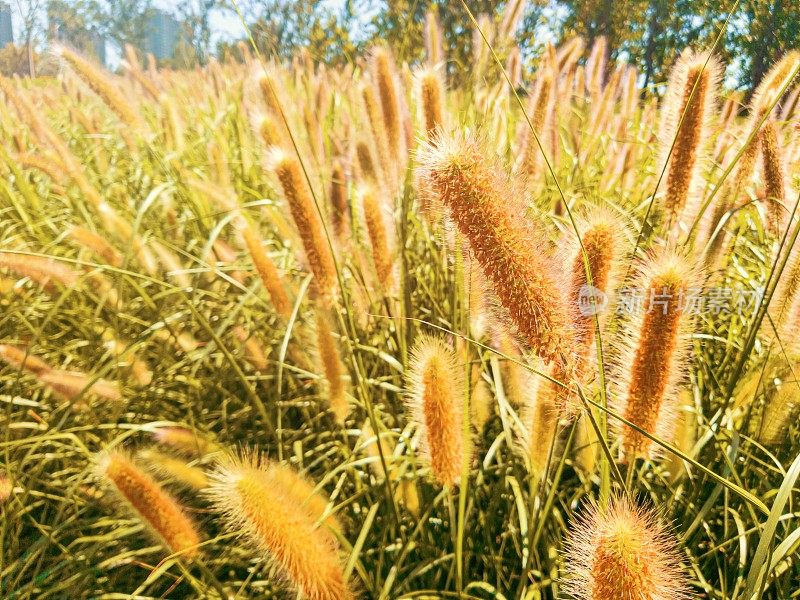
<point>650,48</point>
<point>766,48</point>
<point>31,65</point>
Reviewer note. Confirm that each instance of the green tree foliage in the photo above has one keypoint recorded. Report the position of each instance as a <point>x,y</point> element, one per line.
<point>402,25</point>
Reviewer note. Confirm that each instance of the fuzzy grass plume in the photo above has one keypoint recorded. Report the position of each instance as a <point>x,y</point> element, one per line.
<point>435,404</point>
<point>622,552</point>
<point>308,223</point>
<point>652,355</point>
<point>332,366</point>
<point>254,499</point>
<point>482,202</point>
<point>159,511</point>
<point>688,109</point>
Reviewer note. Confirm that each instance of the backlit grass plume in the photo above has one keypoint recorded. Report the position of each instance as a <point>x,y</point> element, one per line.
<point>338,199</point>
<point>780,408</point>
<point>385,79</point>
<point>103,87</point>
<point>380,137</point>
<point>435,404</point>
<point>652,352</point>
<point>332,367</point>
<point>431,92</point>
<point>484,205</point>
<point>375,221</point>
<point>158,511</point>
<point>774,178</point>
<point>267,271</point>
<point>686,118</point>
<point>254,499</point>
<point>605,241</point>
<point>622,552</point>
<point>21,358</point>
<point>42,270</point>
<point>433,39</point>
<point>185,440</point>
<point>6,488</point>
<point>76,385</point>
<point>539,415</point>
<point>174,469</point>
<point>308,223</point>
<point>97,244</point>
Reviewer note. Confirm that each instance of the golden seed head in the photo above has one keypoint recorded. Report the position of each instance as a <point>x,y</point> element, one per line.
<point>380,139</point>
<point>433,39</point>
<point>159,511</point>
<point>482,202</point>
<point>379,240</point>
<point>102,86</point>
<point>20,358</point>
<point>72,385</point>
<point>332,366</point>
<point>308,223</point>
<point>774,179</point>
<point>42,270</point>
<point>338,199</point>
<point>686,118</point>
<point>184,440</point>
<point>653,352</point>
<point>6,488</point>
<point>621,552</point>
<point>97,244</point>
<point>431,92</point>
<point>385,78</point>
<point>539,414</point>
<point>775,82</point>
<point>435,404</point>
<point>174,469</point>
<point>267,271</point>
<point>254,499</point>
<point>605,239</point>
<point>780,409</point>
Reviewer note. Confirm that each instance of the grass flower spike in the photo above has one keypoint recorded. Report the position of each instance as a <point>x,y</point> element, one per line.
<point>483,204</point>
<point>622,553</point>
<point>157,509</point>
<point>687,113</point>
<point>308,222</point>
<point>254,499</point>
<point>435,404</point>
<point>652,355</point>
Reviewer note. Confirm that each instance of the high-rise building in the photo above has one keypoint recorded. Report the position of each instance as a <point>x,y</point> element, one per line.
<point>6,27</point>
<point>99,46</point>
<point>162,34</point>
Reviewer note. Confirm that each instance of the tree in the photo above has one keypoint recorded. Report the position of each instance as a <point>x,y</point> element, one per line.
<point>196,18</point>
<point>402,25</point>
<point>281,27</point>
<point>76,22</point>
<point>126,21</point>
<point>30,11</point>
<point>771,28</point>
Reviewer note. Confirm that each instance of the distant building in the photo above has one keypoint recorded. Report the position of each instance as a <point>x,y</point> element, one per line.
<point>6,28</point>
<point>161,38</point>
<point>99,45</point>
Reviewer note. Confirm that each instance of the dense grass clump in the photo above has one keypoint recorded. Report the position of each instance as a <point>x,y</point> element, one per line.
<point>492,341</point>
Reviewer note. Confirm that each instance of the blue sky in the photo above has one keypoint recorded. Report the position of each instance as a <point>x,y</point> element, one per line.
<point>225,24</point>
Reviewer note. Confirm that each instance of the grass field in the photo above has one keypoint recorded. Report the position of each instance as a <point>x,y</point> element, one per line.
<point>289,331</point>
